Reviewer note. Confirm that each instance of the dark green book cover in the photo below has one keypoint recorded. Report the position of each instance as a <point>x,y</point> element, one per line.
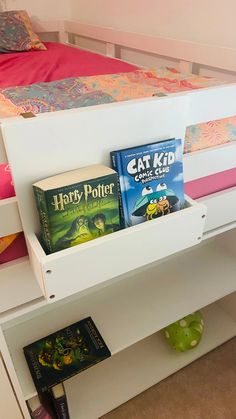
<point>77,206</point>
<point>65,353</point>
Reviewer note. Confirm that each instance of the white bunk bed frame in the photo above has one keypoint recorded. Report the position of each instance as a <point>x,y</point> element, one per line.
<point>148,287</point>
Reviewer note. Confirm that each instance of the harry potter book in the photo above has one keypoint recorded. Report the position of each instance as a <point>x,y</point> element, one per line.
<point>151,180</point>
<point>67,352</point>
<point>77,206</point>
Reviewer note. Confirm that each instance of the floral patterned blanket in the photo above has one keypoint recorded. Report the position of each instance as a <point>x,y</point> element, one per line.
<point>94,90</point>
<point>90,90</point>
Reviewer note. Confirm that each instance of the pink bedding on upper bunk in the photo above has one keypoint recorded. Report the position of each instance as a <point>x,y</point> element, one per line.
<point>58,62</point>
<point>208,185</point>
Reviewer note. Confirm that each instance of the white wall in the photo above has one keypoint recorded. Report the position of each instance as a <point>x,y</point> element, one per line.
<point>211,21</point>
<point>43,9</point>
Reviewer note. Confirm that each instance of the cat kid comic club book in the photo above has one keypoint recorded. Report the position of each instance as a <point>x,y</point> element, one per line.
<point>151,180</point>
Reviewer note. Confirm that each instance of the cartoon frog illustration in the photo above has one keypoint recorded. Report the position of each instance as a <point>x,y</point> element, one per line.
<point>153,204</point>
<point>163,205</point>
<point>152,209</point>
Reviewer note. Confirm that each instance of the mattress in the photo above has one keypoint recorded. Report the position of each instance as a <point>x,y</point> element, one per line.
<point>57,62</point>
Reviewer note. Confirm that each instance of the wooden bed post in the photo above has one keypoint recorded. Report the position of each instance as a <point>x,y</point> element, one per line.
<point>110,50</point>
<point>185,66</point>
<point>63,35</point>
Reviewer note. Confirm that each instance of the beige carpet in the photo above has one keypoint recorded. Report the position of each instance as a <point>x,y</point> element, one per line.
<point>205,389</point>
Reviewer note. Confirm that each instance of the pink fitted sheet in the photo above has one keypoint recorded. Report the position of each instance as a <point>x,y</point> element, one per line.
<point>210,184</point>
<point>58,62</point>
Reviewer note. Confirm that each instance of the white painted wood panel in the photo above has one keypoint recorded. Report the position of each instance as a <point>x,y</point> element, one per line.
<point>211,55</point>
<point>65,140</point>
<point>209,161</point>
<point>13,376</point>
<point>9,407</point>
<point>228,304</point>
<point>9,217</point>
<point>211,103</point>
<point>3,157</point>
<point>17,284</point>
<point>143,302</point>
<point>221,208</point>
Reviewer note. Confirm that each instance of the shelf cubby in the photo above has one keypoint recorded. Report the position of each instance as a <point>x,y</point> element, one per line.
<point>132,370</point>
<point>133,307</point>
<point>137,368</point>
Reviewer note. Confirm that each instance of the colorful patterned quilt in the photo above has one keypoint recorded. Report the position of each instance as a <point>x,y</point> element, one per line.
<point>86,91</point>
<point>94,90</point>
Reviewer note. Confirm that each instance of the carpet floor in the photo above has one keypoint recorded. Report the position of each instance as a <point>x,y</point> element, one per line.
<point>205,389</point>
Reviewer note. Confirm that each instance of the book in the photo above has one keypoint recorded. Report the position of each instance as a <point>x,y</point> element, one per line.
<point>77,206</point>
<point>67,352</point>
<point>37,410</point>
<point>60,401</point>
<point>151,180</point>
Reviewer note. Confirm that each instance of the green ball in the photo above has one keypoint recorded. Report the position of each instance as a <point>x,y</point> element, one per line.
<point>186,333</point>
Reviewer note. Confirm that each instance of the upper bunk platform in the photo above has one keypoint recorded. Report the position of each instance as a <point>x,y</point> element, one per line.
<point>50,143</point>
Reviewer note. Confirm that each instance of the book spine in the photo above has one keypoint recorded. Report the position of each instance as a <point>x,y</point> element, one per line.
<point>60,401</point>
<point>37,410</point>
<point>117,166</point>
<point>41,205</point>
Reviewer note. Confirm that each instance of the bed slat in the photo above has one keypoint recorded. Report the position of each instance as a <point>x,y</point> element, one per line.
<point>208,55</point>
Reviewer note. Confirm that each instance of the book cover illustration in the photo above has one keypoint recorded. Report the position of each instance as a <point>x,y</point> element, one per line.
<point>151,180</point>
<point>80,211</point>
<point>65,353</point>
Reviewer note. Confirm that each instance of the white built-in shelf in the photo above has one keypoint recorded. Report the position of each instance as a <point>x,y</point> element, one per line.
<point>78,268</point>
<point>135,305</point>
<point>137,368</point>
<point>18,285</point>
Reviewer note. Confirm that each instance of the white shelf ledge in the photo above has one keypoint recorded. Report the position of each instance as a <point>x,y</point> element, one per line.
<point>105,258</point>
<point>163,292</point>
